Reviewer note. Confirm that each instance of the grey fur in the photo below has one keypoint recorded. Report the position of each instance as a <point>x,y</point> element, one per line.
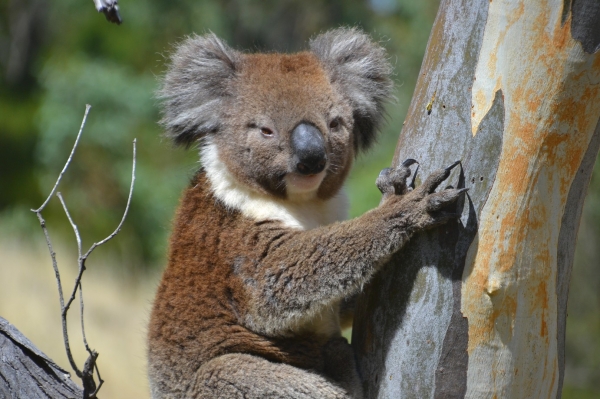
<point>360,68</point>
<point>201,71</point>
<point>245,376</point>
<point>251,377</point>
<point>195,87</point>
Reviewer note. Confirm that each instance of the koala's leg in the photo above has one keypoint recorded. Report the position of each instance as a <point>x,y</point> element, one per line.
<point>250,377</point>
<point>340,365</point>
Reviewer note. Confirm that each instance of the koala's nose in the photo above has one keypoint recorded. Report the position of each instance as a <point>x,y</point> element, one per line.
<point>308,147</point>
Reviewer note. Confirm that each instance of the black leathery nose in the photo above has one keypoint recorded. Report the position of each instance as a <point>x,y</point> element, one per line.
<point>308,146</point>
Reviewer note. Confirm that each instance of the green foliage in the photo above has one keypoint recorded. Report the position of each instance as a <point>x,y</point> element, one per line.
<point>570,392</point>
<point>583,322</point>
<point>81,59</point>
<point>97,183</point>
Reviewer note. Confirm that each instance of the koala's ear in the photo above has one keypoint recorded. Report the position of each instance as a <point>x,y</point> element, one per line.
<point>361,70</point>
<point>195,86</point>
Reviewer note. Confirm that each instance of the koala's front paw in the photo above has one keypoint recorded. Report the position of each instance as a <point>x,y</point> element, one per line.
<point>392,181</point>
<point>426,208</point>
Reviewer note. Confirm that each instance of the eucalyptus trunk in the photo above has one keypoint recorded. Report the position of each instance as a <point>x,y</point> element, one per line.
<point>478,308</point>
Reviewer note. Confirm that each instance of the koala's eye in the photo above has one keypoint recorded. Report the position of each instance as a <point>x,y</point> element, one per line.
<point>334,124</point>
<point>266,131</point>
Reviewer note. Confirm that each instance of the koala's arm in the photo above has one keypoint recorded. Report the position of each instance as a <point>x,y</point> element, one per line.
<point>299,272</point>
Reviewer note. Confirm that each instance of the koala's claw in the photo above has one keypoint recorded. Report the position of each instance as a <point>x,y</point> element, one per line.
<point>414,177</point>
<point>449,168</point>
<point>393,181</point>
<point>436,178</point>
<point>408,162</point>
<point>424,207</point>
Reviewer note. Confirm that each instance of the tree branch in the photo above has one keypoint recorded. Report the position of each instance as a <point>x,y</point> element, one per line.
<point>64,169</point>
<point>87,374</point>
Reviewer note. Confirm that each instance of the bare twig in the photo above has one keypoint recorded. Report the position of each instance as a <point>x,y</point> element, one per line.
<point>38,213</point>
<point>60,292</point>
<point>85,343</point>
<point>83,258</point>
<point>100,382</point>
<point>114,233</point>
<point>73,225</point>
<point>90,389</point>
<point>64,169</point>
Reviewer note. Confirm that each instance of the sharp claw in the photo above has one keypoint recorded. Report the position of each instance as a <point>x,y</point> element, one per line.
<point>449,168</point>
<point>414,176</point>
<point>409,162</point>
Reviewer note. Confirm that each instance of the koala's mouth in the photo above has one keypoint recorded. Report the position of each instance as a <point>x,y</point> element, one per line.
<point>303,184</point>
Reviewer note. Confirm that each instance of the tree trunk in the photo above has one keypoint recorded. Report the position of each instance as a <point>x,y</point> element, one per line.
<point>478,308</point>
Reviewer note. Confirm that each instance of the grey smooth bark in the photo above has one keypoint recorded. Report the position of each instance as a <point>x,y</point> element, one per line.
<point>478,308</point>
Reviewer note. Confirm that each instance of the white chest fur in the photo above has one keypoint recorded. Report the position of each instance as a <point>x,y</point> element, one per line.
<point>303,215</point>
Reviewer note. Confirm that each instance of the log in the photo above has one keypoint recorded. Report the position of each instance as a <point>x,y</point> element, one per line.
<point>26,372</point>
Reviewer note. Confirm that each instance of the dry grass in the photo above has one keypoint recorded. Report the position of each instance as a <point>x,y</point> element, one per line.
<point>116,311</point>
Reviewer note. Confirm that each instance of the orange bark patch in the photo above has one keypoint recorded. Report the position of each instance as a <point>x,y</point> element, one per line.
<point>542,300</point>
<point>552,105</point>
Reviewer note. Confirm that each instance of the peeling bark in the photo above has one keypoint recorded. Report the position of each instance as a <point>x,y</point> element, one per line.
<point>478,308</point>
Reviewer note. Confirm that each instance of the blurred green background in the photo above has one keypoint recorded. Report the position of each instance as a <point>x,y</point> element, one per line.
<point>56,56</point>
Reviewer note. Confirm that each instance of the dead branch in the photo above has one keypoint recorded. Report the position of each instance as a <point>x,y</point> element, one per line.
<point>90,389</point>
<point>26,372</point>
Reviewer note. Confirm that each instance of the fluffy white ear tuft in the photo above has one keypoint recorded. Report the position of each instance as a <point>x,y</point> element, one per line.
<point>361,70</point>
<point>193,89</point>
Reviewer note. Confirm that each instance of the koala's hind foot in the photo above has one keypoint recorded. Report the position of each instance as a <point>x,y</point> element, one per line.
<point>245,376</point>
<point>340,365</point>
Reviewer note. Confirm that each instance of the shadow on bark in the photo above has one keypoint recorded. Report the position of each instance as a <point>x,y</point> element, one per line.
<point>408,284</point>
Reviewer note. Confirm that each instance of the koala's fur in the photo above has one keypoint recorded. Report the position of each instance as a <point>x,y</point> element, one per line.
<point>259,258</point>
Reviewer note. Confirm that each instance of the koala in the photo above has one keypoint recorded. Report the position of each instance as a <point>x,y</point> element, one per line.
<point>261,257</point>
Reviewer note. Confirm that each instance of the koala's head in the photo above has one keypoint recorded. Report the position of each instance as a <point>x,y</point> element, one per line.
<point>287,125</point>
